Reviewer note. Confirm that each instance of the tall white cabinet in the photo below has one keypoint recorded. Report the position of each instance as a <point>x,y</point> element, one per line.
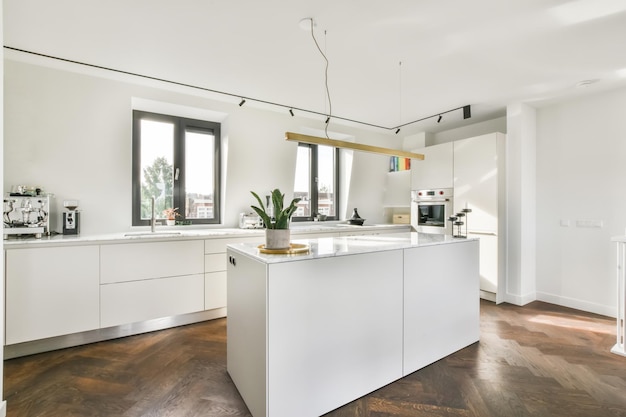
<point>435,170</point>
<point>479,184</point>
<point>475,169</point>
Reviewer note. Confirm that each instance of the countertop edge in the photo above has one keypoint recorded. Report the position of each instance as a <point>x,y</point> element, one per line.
<point>195,234</point>
<point>349,245</point>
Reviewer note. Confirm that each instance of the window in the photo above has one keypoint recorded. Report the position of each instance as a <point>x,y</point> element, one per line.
<point>176,161</point>
<point>316,182</point>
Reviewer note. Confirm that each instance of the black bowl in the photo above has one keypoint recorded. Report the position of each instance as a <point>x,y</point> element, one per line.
<point>356,222</point>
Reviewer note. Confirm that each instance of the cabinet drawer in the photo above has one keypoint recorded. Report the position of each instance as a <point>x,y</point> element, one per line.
<point>216,245</point>
<point>219,245</point>
<point>138,261</point>
<point>215,262</point>
<point>130,302</point>
<point>214,290</point>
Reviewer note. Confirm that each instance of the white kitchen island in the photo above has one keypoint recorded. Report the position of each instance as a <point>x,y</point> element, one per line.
<point>308,333</point>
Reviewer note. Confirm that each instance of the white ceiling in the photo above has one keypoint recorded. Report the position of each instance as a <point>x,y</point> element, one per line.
<point>486,53</point>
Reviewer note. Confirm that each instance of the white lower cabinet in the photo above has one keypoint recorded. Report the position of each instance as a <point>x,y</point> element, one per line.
<point>135,301</point>
<point>215,269</point>
<point>214,290</point>
<point>144,281</point>
<point>326,331</point>
<point>318,332</point>
<point>441,309</point>
<point>51,292</point>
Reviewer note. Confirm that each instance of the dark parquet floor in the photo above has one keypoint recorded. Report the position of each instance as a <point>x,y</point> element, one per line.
<point>536,360</point>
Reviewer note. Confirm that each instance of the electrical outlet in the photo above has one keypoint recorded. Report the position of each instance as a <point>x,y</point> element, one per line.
<point>589,223</point>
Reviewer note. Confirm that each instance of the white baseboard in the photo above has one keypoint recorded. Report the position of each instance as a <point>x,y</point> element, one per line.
<point>520,300</point>
<point>3,409</point>
<point>489,296</point>
<point>604,310</point>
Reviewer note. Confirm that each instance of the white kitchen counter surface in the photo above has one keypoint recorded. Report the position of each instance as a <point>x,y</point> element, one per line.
<point>325,247</point>
<point>165,233</point>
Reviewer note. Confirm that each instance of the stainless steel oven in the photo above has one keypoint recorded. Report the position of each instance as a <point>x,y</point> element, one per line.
<point>430,210</point>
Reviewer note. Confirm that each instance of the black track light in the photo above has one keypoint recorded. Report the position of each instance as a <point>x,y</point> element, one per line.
<point>439,119</point>
<point>327,119</point>
<point>291,112</point>
<point>242,102</point>
<point>467,112</point>
<point>397,131</point>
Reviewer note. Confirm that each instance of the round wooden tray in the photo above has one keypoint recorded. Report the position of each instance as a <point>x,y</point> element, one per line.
<point>292,249</point>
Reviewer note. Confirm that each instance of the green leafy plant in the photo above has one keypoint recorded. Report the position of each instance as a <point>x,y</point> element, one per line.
<point>281,214</point>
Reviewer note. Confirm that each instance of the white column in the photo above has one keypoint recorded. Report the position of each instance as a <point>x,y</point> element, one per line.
<point>521,207</point>
<point>3,404</point>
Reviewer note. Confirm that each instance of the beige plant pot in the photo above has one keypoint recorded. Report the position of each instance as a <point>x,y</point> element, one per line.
<point>170,222</point>
<point>277,238</point>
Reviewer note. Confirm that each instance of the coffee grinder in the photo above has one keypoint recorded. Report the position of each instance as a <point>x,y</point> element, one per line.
<point>71,219</point>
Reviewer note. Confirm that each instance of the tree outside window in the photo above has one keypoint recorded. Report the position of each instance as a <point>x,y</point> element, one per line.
<point>176,161</point>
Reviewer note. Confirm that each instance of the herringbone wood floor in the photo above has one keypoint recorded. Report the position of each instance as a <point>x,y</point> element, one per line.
<point>537,360</point>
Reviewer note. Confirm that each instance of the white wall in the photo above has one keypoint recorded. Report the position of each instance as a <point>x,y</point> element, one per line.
<point>70,133</point>
<point>476,129</point>
<point>3,403</point>
<point>581,167</point>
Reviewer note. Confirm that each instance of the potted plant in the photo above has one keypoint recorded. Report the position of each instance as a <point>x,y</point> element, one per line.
<point>170,216</point>
<point>277,235</point>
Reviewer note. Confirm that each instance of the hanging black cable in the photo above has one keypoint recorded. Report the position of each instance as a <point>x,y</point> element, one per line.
<point>330,103</point>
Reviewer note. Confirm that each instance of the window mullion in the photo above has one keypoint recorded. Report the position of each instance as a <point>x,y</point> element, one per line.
<point>179,164</point>
<point>314,181</point>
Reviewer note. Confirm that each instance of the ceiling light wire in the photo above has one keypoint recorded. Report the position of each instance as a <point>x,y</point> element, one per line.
<point>330,103</point>
<point>399,95</point>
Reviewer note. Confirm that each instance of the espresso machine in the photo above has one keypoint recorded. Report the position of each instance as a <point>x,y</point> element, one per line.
<point>27,214</point>
<point>71,218</point>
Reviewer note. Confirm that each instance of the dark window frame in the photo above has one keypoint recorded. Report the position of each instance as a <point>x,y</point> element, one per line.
<point>313,176</point>
<point>181,125</point>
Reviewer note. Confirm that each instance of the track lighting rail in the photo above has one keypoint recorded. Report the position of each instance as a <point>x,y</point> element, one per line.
<point>243,99</point>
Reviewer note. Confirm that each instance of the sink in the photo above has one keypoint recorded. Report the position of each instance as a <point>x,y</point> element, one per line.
<point>156,234</point>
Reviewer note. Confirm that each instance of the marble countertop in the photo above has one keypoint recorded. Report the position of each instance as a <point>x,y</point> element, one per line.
<point>174,233</point>
<point>325,247</point>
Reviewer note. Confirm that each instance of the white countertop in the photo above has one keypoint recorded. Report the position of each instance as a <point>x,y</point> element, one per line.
<point>173,233</point>
<point>325,247</point>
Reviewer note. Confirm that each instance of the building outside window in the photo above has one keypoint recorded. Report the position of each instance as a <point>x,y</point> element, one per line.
<point>176,161</point>
<point>316,182</point>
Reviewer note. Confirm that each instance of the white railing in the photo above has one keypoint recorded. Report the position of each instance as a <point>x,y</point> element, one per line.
<point>619,347</point>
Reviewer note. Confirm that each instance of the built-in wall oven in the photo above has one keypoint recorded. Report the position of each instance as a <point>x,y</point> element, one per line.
<point>430,210</point>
